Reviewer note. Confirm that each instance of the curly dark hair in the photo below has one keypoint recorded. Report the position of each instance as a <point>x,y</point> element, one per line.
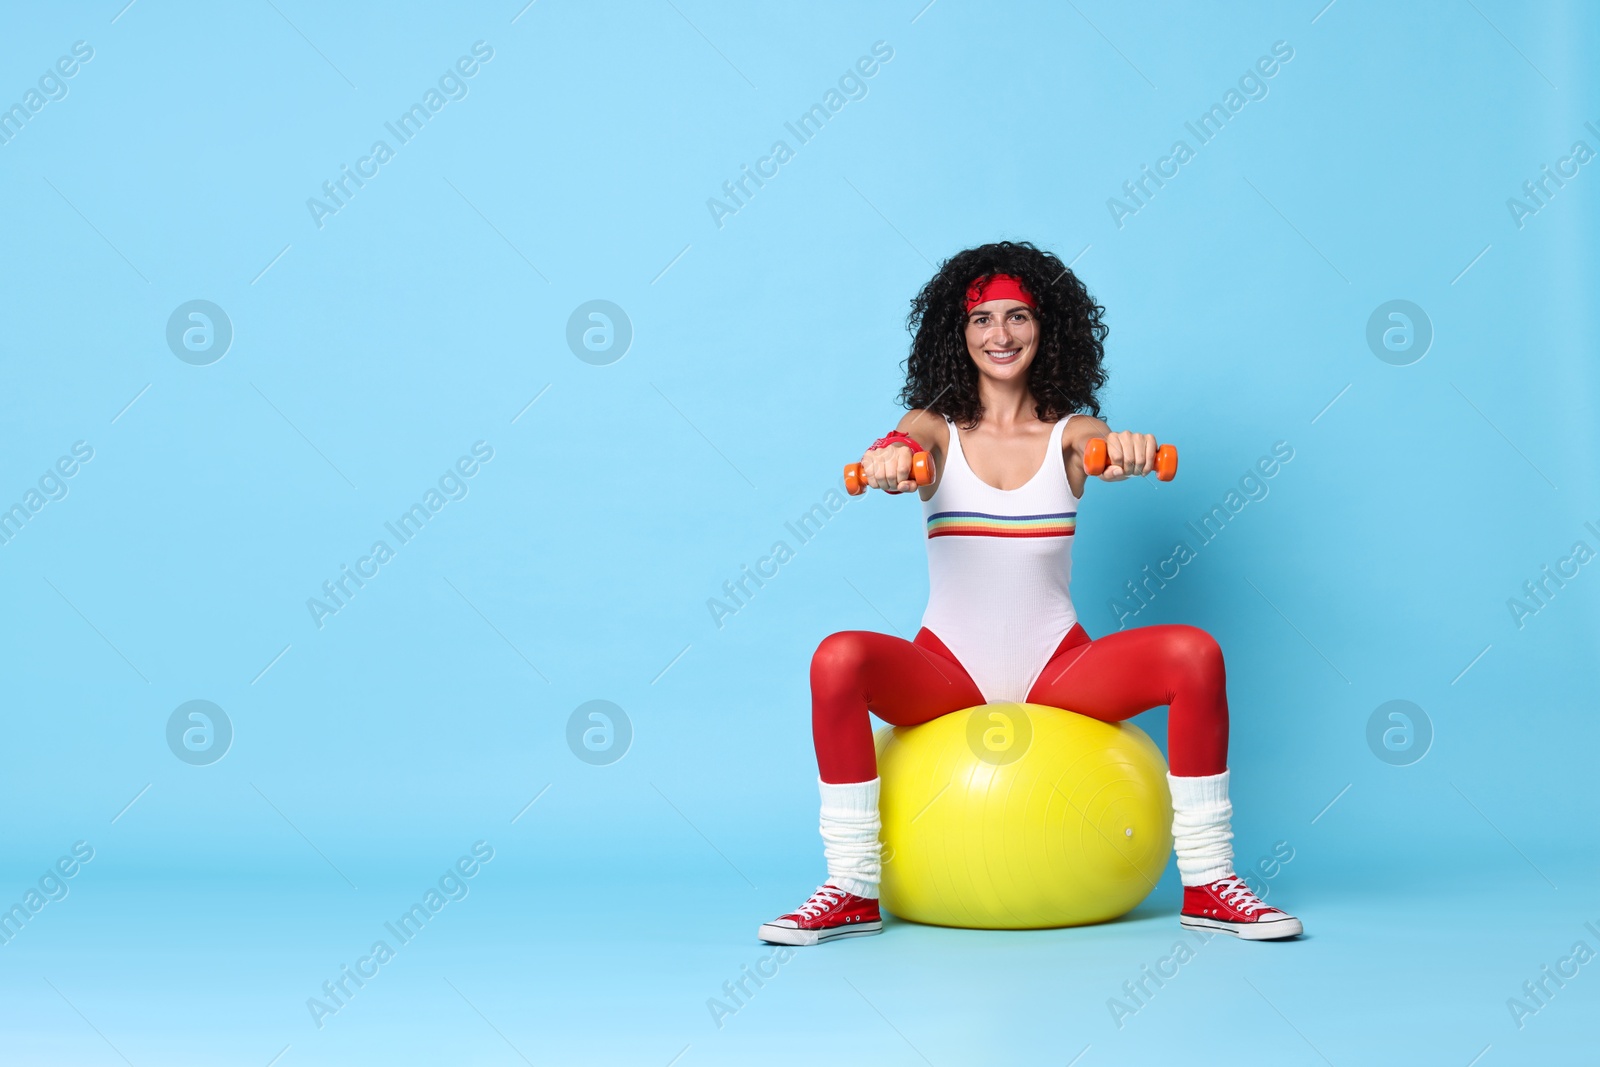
<point>1066,373</point>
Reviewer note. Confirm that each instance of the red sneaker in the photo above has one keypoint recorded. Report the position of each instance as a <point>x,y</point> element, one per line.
<point>830,913</point>
<point>1228,905</point>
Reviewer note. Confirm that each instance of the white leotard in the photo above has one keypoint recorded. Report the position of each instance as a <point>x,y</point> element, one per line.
<point>999,563</point>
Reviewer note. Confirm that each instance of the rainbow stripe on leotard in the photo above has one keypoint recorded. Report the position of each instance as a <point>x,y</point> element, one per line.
<point>981,524</point>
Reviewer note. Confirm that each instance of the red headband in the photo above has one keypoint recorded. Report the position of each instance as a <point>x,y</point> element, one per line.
<point>998,287</point>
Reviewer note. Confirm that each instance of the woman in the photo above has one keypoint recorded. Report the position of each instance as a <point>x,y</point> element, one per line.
<point>1002,384</point>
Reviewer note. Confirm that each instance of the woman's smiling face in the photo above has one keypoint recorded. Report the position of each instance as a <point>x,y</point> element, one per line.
<point>1002,337</point>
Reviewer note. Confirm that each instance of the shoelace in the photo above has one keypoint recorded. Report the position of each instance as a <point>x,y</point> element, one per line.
<point>1233,891</point>
<point>824,898</point>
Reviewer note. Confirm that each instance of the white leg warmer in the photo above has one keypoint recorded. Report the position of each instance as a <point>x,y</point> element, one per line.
<point>1201,831</point>
<point>850,827</point>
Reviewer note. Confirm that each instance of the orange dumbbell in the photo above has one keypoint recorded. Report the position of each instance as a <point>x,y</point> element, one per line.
<point>921,470</point>
<point>1094,459</point>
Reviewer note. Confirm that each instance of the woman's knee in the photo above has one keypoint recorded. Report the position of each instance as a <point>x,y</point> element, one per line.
<point>1195,655</point>
<point>839,661</point>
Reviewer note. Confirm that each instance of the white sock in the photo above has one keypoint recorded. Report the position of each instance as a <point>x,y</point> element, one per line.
<point>1201,834</point>
<point>850,827</point>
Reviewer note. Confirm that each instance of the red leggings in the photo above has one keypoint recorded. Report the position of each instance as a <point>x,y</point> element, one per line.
<point>1111,679</point>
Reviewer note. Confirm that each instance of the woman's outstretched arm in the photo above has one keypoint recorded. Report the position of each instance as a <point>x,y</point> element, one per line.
<point>1128,455</point>
<point>890,468</point>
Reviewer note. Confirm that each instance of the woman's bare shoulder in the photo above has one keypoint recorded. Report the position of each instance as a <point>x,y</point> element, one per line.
<point>1079,429</point>
<point>927,428</point>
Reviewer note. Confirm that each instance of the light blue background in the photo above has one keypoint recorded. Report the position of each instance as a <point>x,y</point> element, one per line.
<point>425,316</point>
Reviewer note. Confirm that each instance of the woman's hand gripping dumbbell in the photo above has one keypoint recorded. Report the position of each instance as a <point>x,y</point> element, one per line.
<point>1128,455</point>
<point>896,468</point>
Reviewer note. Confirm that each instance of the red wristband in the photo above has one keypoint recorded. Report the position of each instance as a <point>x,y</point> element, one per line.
<point>895,437</point>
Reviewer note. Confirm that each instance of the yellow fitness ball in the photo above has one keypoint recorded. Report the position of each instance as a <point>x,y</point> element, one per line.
<point>1018,816</point>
